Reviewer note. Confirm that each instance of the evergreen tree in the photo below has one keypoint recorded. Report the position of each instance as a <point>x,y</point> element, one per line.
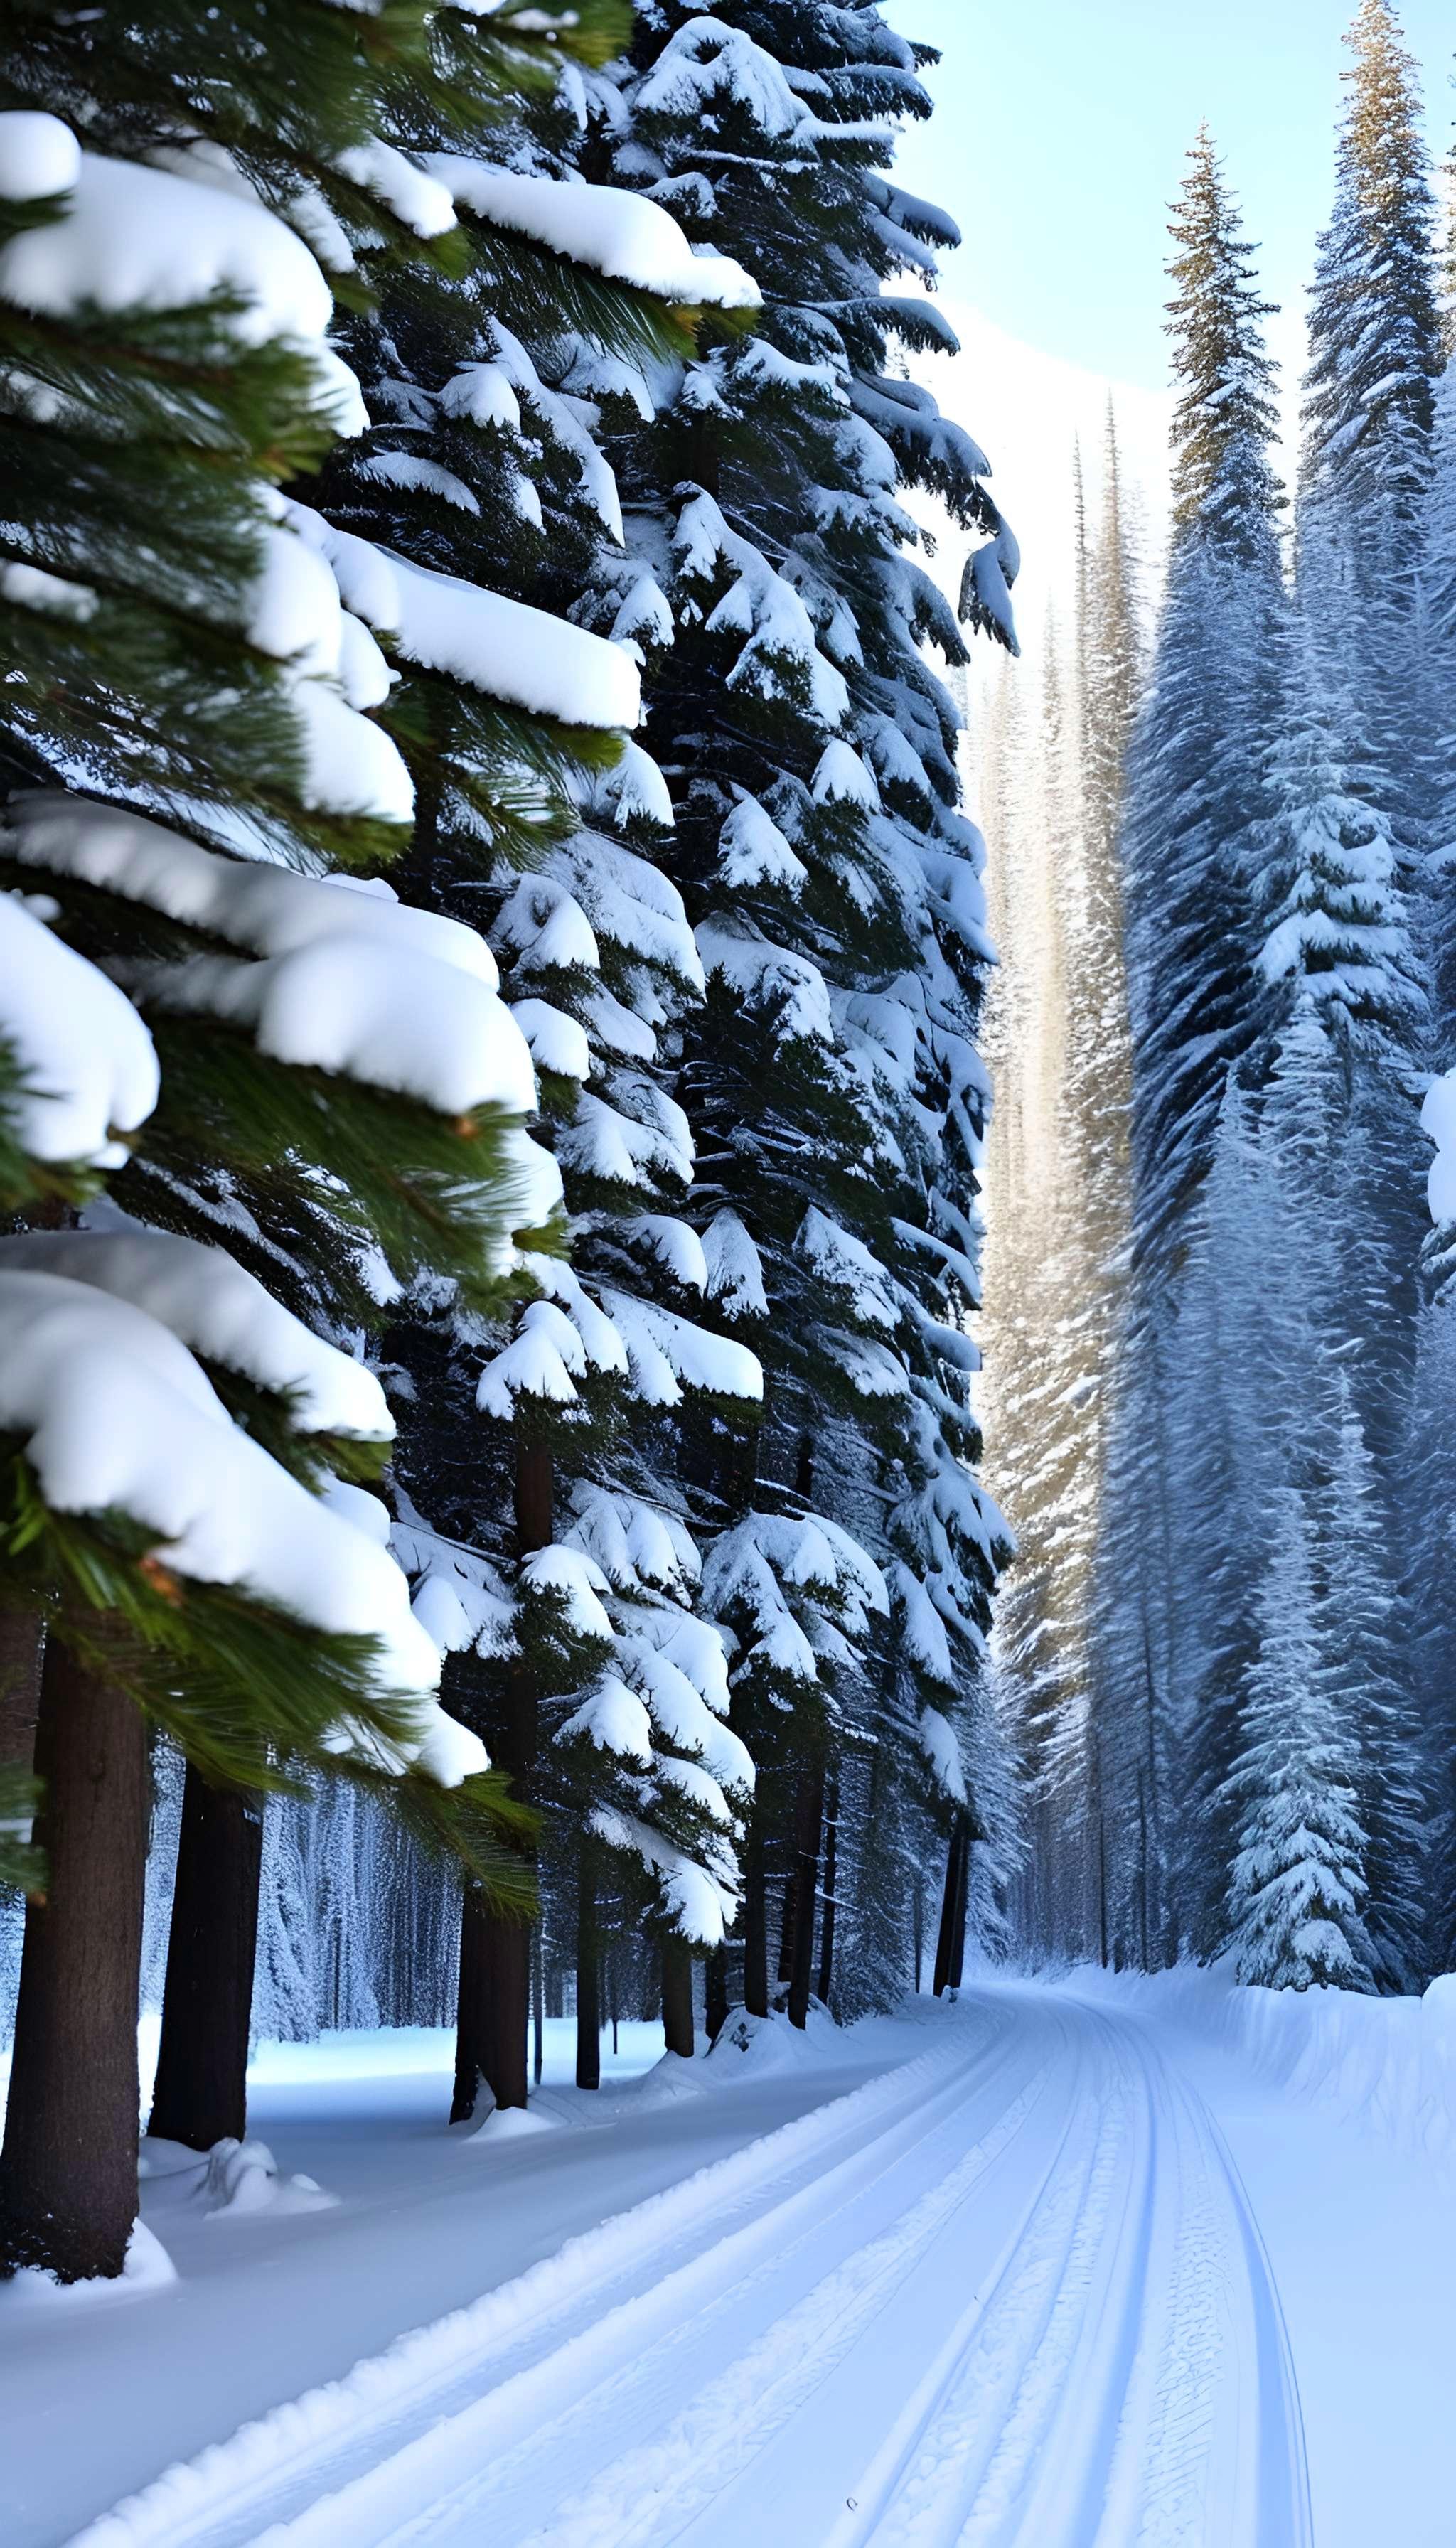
<point>830,1076</point>
<point>1297,1883</point>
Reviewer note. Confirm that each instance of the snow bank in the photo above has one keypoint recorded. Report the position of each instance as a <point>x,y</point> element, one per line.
<point>619,235</point>
<point>90,1065</point>
<point>1388,2064</point>
<point>232,2180</point>
<point>148,2268</point>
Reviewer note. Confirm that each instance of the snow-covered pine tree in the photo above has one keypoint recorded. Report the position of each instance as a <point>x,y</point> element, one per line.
<point>1196,794</point>
<point>1297,1883</point>
<point>485,399</point>
<point>831,1076</point>
<point>1375,356</point>
<point>210,271</point>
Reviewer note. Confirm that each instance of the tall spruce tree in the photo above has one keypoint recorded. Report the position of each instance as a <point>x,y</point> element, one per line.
<point>830,1076</point>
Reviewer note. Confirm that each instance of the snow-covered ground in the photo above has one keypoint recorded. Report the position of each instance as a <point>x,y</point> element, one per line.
<point>1019,2271</point>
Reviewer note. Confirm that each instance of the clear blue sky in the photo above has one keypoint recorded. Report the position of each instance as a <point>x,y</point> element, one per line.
<point>1060,135</point>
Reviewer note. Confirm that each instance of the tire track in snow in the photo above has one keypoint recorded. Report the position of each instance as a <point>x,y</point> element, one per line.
<point>233,2493</point>
<point>1010,2296</point>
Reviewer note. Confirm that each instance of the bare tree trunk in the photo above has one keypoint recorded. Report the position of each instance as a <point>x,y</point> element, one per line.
<point>830,1878</point>
<point>470,2008</point>
<point>201,2091</point>
<point>677,1997</point>
<point>962,1899</point>
<point>953,1907</point>
<point>538,2007</point>
<point>754,1923</point>
<point>20,1639</point>
<point>589,1997</point>
<point>808,1819</point>
<point>715,1993</point>
<point>69,2167</point>
<point>493,2020</point>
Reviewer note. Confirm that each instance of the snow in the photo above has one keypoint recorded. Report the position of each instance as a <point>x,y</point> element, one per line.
<point>734,1269</point>
<point>89,1064</point>
<point>116,1415</point>
<point>1063,2264</point>
<point>504,648</point>
<point>39,155</point>
<point>219,1312</point>
<point>1439,1122</point>
<point>419,201</point>
<point>619,235</point>
<point>136,238</point>
<point>752,850</point>
<point>265,909</point>
<point>384,1015</point>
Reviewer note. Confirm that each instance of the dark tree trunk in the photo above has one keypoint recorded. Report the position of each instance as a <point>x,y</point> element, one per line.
<point>786,1916</point>
<point>493,2016</point>
<point>963,1896</point>
<point>830,1878</point>
<point>952,1905</point>
<point>589,1987</point>
<point>538,2007</point>
<point>715,1993</point>
<point>20,1687</point>
<point>677,1997</point>
<point>470,2008</point>
<point>201,2091</point>
<point>808,1817</point>
<point>950,1946</point>
<point>754,1923</point>
<point>69,2167</point>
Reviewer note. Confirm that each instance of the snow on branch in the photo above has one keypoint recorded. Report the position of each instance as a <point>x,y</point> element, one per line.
<point>88,1067</point>
<point>624,237</point>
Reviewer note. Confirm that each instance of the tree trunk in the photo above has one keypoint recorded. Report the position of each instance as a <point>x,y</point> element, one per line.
<point>69,2167</point>
<point>589,1994</point>
<point>754,1923</point>
<point>538,2007</point>
<point>786,1917</point>
<point>201,2091</point>
<point>830,1878</point>
<point>963,1897</point>
<point>20,1687</point>
<point>470,2008</point>
<point>677,1997</point>
<point>715,1993</point>
<point>808,1817</point>
<point>952,1901</point>
<point>493,2015</point>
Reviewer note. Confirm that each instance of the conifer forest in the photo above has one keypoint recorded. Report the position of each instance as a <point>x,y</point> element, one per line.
<point>727,1296</point>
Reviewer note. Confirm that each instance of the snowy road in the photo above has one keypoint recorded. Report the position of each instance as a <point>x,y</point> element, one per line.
<point>1007,2293</point>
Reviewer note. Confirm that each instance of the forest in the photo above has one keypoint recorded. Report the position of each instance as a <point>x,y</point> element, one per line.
<point>490,1516</point>
<point>727,1274</point>
<point>1220,1288</point>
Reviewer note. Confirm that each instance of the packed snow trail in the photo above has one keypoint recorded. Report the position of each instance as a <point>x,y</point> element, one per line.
<point>1008,2295</point>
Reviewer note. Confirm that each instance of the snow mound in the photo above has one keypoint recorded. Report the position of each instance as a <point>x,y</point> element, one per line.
<point>758,2048</point>
<point>231,2181</point>
<point>513,2124</point>
<point>148,2268</point>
